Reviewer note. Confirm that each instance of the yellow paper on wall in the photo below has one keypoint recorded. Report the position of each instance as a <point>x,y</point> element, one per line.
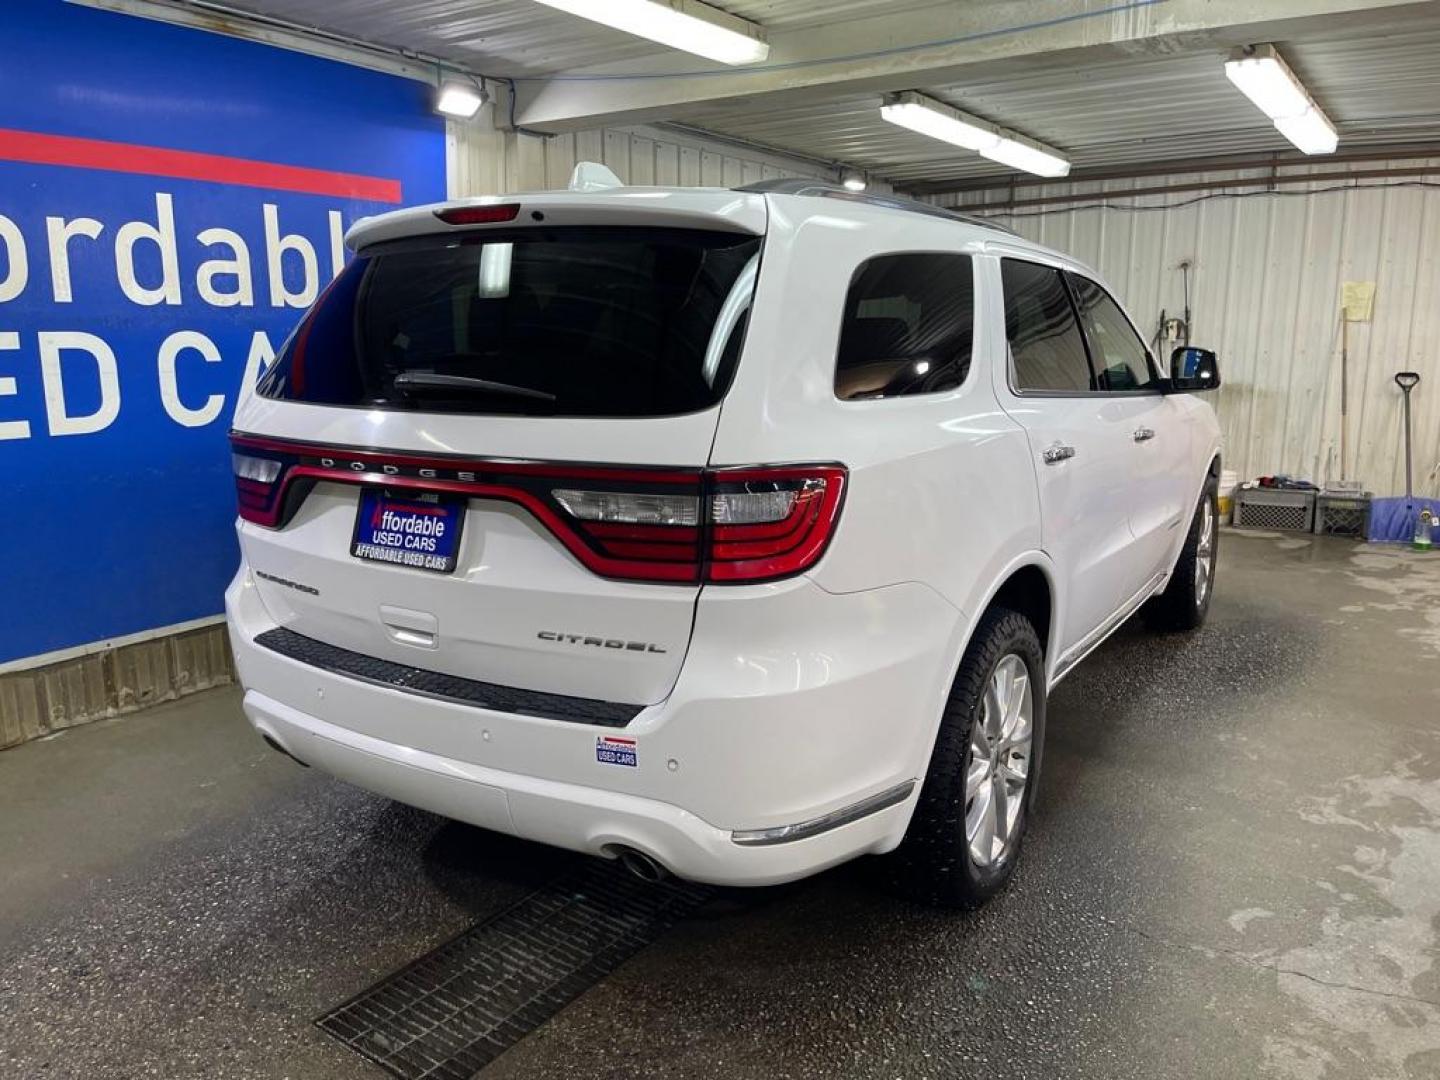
<point>1357,300</point>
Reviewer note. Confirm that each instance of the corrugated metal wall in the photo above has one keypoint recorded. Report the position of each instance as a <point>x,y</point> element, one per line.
<point>44,700</point>
<point>487,162</point>
<point>1265,293</point>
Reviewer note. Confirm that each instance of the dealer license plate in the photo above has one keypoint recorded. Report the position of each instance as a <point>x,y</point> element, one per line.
<point>422,531</point>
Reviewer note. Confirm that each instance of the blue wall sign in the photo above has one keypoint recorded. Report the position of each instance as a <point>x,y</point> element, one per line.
<point>170,201</point>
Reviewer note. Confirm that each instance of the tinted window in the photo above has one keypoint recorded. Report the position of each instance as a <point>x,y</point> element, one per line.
<point>568,322</point>
<point>1046,348</point>
<point>1121,361</point>
<point>909,326</point>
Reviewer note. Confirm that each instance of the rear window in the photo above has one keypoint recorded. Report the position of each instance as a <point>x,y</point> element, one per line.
<point>557,322</point>
<point>908,328</point>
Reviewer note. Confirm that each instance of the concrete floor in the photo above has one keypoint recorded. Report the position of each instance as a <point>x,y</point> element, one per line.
<point>1234,871</point>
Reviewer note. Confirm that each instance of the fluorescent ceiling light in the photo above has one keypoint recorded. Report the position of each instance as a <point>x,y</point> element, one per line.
<point>682,24</point>
<point>1026,157</point>
<point>940,121</point>
<point>1311,131</point>
<point>854,182</point>
<point>1266,80</point>
<point>1261,74</point>
<point>458,99</point>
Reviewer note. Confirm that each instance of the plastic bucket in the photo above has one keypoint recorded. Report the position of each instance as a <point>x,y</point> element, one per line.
<point>1229,481</point>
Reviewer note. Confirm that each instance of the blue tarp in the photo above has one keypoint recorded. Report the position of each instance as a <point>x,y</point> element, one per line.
<point>1392,520</point>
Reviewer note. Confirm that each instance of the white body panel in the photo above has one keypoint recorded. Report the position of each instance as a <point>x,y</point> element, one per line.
<point>772,722</point>
<point>514,580</point>
<point>772,704</point>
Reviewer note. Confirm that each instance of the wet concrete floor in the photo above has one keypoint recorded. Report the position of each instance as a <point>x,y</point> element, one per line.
<point>1234,871</point>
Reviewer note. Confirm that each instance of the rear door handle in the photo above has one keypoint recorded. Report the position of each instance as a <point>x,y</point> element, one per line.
<point>1053,455</point>
<point>1144,434</point>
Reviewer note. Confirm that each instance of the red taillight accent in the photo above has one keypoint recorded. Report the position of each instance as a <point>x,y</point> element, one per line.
<point>768,550</point>
<point>479,215</point>
<point>750,551</point>
<point>730,553</point>
<point>260,501</point>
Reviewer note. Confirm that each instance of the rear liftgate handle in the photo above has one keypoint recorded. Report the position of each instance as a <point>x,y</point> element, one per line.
<point>418,628</point>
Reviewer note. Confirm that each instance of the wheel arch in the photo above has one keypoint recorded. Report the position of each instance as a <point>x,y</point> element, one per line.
<point>1029,585</point>
<point>1029,591</point>
<point>1211,476</point>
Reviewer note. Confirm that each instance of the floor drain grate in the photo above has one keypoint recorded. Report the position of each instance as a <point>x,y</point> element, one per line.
<point>453,1011</point>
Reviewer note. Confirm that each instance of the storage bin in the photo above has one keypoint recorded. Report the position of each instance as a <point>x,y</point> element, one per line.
<point>1274,508</point>
<point>1343,513</point>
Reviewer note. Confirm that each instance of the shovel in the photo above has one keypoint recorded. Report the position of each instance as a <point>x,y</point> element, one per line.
<point>1407,381</point>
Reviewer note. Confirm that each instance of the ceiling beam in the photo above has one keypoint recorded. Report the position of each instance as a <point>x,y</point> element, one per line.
<point>1348,178</point>
<point>1282,159</point>
<point>956,41</point>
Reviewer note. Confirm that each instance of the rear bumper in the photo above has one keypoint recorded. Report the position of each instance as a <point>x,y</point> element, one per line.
<point>761,732</point>
<point>580,818</point>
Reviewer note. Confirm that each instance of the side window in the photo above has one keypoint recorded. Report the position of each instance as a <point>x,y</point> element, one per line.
<point>909,326</point>
<point>1046,348</point>
<point>1121,360</point>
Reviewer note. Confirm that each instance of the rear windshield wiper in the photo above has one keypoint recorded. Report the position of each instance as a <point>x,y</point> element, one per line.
<point>429,380</point>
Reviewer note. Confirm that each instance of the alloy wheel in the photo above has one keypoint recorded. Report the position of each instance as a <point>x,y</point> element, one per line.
<point>997,767</point>
<point>1205,552</point>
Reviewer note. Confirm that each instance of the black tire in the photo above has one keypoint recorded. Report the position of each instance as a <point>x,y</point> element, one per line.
<point>1183,605</point>
<point>933,864</point>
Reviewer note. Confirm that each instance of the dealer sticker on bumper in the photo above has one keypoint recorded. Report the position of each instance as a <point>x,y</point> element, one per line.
<point>612,750</point>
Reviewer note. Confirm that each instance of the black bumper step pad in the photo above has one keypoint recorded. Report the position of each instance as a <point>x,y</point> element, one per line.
<point>435,684</point>
<point>456,1009</point>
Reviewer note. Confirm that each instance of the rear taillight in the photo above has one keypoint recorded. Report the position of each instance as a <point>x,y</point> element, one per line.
<point>770,523</point>
<point>628,508</point>
<point>260,477</point>
<point>740,525</point>
<point>259,470</point>
<point>726,526</point>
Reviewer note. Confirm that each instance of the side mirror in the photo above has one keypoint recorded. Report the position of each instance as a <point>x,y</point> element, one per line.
<point>1193,370</point>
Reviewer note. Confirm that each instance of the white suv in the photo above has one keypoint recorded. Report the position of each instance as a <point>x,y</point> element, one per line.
<point>733,533</point>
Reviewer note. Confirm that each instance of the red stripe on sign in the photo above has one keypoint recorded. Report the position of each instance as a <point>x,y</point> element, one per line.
<point>614,739</point>
<point>38,149</point>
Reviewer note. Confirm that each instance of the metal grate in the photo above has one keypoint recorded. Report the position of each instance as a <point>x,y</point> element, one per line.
<point>1272,517</point>
<point>437,684</point>
<point>456,1009</point>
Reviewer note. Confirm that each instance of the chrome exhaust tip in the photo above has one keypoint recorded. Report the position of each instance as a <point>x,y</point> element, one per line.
<point>641,865</point>
<point>274,744</point>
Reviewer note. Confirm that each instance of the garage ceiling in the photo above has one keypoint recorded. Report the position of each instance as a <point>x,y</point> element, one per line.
<point>1380,90</point>
<point>523,38</point>
<point>1139,101</point>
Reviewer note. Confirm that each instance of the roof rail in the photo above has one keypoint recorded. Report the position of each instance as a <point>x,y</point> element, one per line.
<point>826,190</point>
